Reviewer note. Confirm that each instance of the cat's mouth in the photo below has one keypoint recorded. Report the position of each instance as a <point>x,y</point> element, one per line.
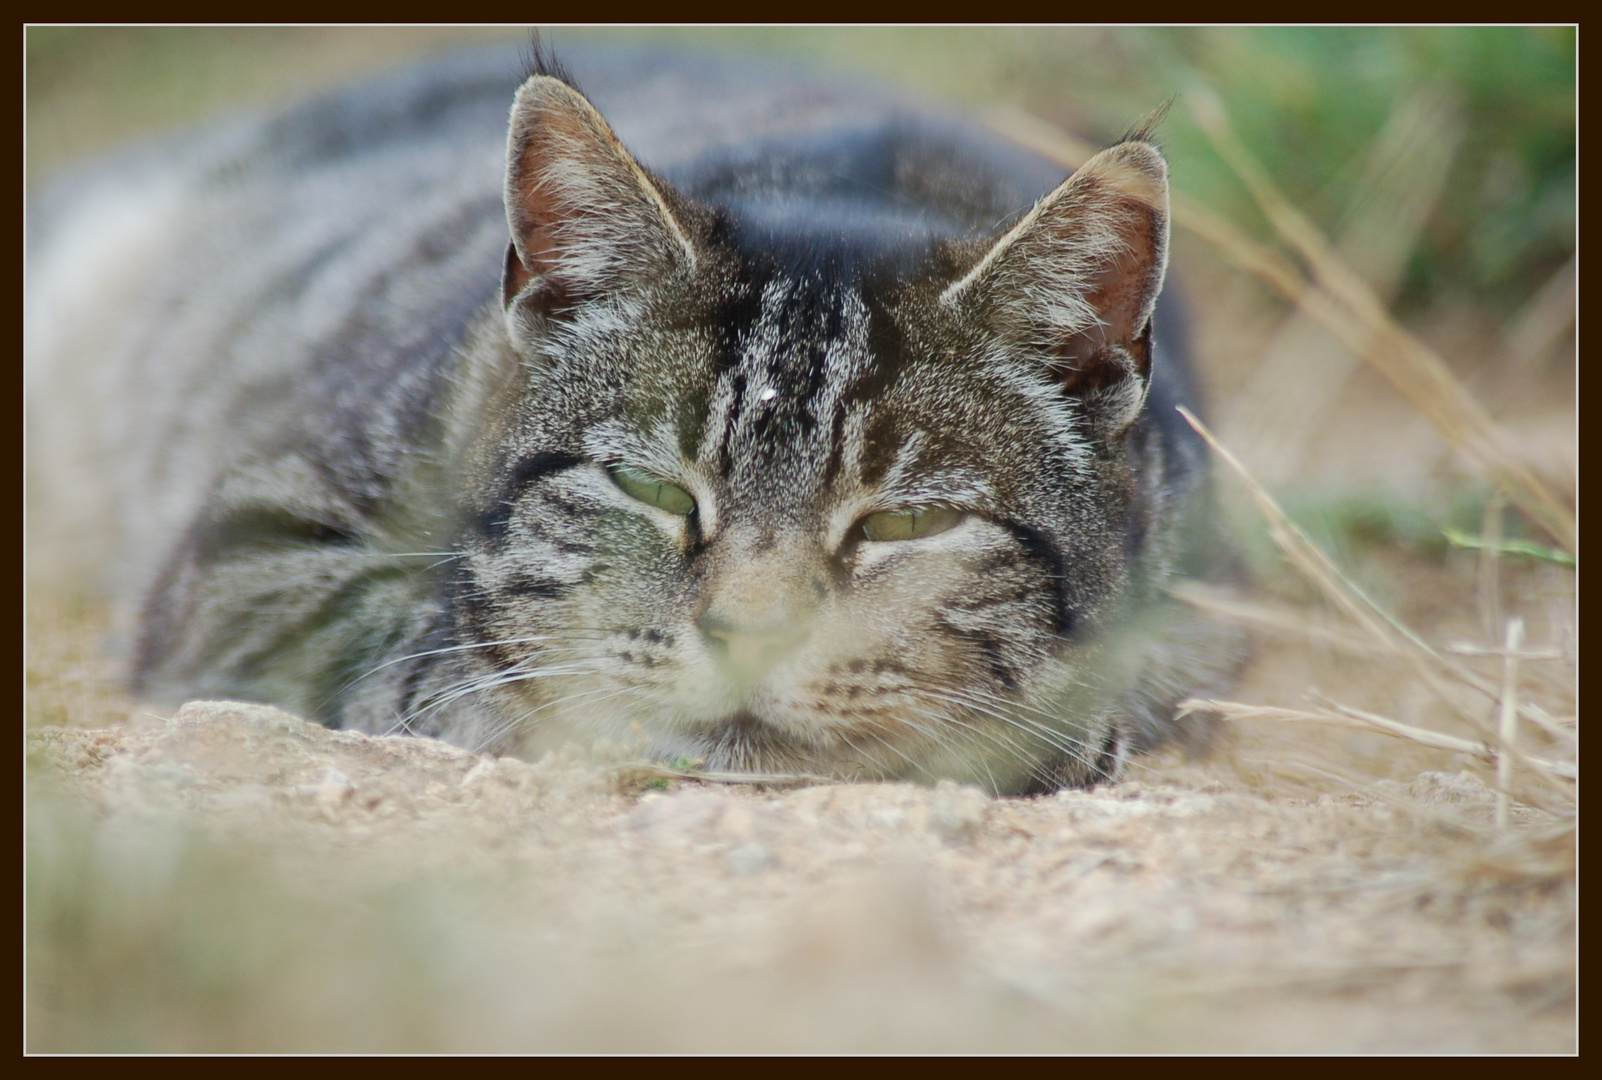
<point>741,723</point>
<point>745,741</point>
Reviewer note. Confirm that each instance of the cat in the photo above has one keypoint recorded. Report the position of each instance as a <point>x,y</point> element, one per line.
<point>737,414</point>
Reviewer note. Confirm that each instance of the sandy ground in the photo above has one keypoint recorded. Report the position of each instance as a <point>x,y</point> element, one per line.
<point>233,878</point>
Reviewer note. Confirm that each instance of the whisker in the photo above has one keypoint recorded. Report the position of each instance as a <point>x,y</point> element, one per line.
<point>1011,747</point>
<point>877,764</point>
<point>447,649</point>
<point>489,681</point>
<point>1128,762</point>
<point>503,728</point>
<point>1052,738</point>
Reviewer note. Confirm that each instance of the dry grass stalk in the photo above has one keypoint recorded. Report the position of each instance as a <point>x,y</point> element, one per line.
<point>636,777</point>
<point>1310,560</point>
<point>1508,727</point>
<point>1536,329</point>
<point>1444,676</point>
<point>1398,640</point>
<point>1464,648</point>
<point>1357,317</point>
<point>1042,136</point>
<point>1555,771</point>
<point>1273,618</point>
<point>1333,714</point>
<point>1488,577</point>
<point>1283,404</point>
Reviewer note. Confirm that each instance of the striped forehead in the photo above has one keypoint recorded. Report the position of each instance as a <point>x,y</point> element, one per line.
<point>781,396</point>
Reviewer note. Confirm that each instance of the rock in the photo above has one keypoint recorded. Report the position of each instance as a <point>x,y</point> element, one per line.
<point>1440,787</point>
<point>333,791</point>
<point>682,817</point>
<point>1462,788</point>
<point>956,812</point>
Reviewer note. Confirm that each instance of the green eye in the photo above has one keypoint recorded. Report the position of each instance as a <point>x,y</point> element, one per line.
<point>641,485</point>
<point>911,523</point>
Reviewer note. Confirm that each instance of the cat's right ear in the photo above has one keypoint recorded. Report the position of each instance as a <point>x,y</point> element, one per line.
<point>1076,280</point>
<point>586,219</point>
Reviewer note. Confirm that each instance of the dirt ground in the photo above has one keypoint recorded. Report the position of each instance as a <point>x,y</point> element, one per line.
<point>232,878</point>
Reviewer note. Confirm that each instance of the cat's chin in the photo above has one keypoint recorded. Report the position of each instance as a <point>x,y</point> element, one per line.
<point>745,742</point>
<point>742,741</point>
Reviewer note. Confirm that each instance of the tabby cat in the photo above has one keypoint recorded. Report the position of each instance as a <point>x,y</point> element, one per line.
<point>773,424</point>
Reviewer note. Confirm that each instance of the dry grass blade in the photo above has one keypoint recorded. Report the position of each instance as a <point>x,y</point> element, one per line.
<point>1488,572</point>
<point>1041,136</point>
<point>1549,313</point>
<point>1507,728</point>
<point>1348,718</point>
<point>1359,320</point>
<point>638,776</point>
<point>1469,649</point>
<point>1390,632</point>
<point>1307,557</point>
<point>1555,771</point>
<point>1402,642</point>
<point>1271,618</point>
<point>1302,368</point>
<point>1336,715</point>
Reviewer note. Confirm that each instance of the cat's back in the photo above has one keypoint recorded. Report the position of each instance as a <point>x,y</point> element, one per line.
<point>331,180</point>
<point>187,297</point>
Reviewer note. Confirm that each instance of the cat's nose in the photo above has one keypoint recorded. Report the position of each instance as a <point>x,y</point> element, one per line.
<point>749,649</point>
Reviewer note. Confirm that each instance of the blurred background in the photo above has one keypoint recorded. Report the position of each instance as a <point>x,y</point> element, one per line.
<point>1440,162</point>
<point>1326,110</point>
<point>1375,241</point>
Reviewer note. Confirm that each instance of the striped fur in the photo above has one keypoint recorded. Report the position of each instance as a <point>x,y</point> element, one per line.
<point>359,480</point>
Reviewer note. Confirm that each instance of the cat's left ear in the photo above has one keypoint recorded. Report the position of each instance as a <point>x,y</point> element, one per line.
<point>586,219</point>
<point>1077,280</point>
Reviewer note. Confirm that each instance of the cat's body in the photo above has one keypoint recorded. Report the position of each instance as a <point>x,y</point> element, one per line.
<point>803,451</point>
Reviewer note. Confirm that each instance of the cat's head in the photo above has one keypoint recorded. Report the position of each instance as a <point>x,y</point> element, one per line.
<point>818,513</point>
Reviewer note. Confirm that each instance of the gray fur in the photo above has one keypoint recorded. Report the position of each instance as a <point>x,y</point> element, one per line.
<point>360,450</point>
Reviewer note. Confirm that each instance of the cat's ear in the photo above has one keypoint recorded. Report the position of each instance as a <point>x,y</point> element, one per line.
<point>1078,277</point>
<point>586,219</point>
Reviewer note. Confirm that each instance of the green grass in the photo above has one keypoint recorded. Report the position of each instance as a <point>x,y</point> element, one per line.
<point>1309,102</point>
